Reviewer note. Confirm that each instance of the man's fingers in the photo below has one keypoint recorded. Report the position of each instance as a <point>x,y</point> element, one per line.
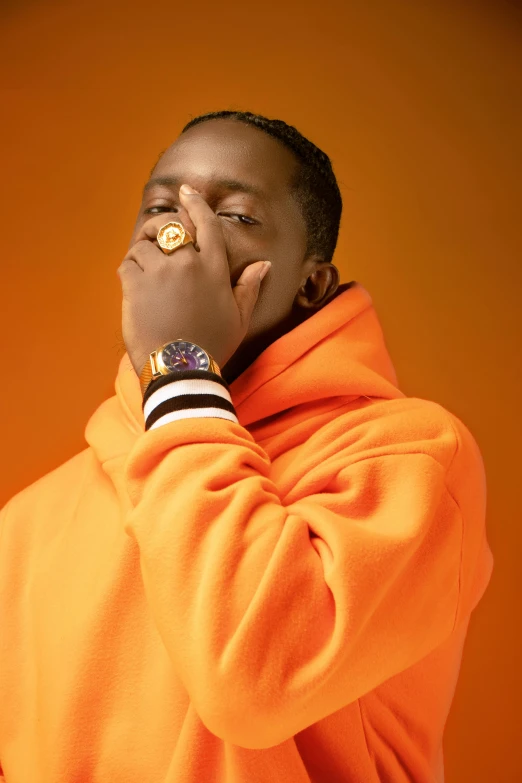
<point>145,254</point>
<point>141,253</point>
<point>209,231</point>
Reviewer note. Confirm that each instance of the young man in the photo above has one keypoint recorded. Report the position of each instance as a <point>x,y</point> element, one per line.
<point>263,569</point>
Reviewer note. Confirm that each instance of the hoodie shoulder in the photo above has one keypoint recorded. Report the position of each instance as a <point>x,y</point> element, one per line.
<point>411,425</point>
<point>401,426</point>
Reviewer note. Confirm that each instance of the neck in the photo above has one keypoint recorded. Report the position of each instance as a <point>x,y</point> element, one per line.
<point>250,349</point>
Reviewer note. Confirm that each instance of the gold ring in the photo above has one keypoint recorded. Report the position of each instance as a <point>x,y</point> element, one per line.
<point>171,236</point>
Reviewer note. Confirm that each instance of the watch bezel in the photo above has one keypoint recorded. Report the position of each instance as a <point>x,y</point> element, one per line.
<point>165,369</point>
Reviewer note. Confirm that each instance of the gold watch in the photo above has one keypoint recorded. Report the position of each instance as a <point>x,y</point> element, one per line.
<point>176,356</point>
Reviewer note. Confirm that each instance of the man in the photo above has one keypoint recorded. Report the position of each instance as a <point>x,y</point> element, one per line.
<point>263,566</point>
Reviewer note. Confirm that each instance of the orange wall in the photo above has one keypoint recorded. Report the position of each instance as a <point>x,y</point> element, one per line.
<point>417,103</point>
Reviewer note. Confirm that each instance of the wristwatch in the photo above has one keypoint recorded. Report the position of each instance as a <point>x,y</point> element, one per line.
<point>176,356</point>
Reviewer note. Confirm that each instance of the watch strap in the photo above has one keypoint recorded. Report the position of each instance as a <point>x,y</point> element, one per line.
<point>146,375</point>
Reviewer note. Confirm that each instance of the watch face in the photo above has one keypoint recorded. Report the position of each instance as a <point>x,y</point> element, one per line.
<point>184,356</point>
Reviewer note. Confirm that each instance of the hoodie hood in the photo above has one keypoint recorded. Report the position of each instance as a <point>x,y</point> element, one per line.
<point>335,356</point>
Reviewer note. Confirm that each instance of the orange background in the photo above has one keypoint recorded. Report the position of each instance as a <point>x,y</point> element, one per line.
<point>418,105</point>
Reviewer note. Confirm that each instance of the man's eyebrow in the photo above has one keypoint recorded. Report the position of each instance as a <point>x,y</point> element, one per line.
<point>221,184</point>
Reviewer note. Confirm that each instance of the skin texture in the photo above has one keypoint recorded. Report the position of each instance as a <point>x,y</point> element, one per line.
<point>296,286</point>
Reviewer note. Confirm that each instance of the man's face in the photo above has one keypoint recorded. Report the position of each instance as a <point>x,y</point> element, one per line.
<point>264,224</point>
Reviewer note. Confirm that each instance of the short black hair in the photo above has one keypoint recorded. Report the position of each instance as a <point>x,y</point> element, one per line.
<point>314,186</point>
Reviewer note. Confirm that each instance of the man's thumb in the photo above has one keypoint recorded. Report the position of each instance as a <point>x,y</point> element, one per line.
<point>246,289</point>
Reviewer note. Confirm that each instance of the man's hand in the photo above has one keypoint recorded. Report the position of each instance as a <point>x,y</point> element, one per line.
<point>187,294</point>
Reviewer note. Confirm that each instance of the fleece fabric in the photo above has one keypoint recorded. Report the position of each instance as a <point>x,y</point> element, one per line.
<point>281,598</point>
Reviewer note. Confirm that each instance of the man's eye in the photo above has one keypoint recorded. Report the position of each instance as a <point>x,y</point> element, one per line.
<point>150,210</point>
<point>242,218</point>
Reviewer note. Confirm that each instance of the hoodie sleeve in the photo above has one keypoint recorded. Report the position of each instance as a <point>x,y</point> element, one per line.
<point>279,605</point>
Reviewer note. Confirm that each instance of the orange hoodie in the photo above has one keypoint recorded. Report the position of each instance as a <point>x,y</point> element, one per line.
<point>277,596</point>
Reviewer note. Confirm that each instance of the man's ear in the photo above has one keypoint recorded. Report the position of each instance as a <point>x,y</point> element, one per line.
<point>320,284</point>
